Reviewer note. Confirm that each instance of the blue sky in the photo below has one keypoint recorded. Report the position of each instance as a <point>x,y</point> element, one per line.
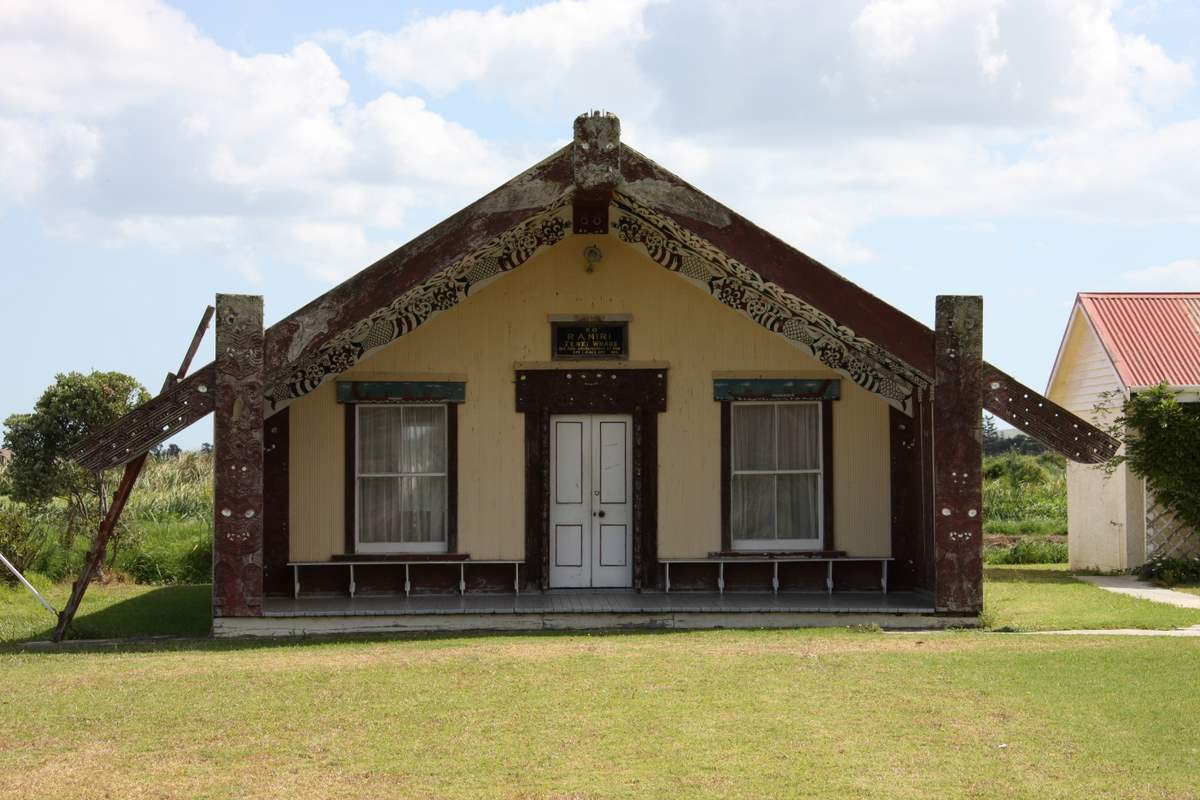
<point>152,155</point>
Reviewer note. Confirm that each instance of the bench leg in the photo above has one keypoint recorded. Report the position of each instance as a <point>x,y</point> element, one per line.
<point>295,582</point>
<point>352,587</point>
<point>775,579</point>
<point>517,577</point>
<point>720,577</point>
<point>667,567</point>
<point>829,577</point>
<point>462,578</point>
<point>407,582</point>
<point>883,581</point>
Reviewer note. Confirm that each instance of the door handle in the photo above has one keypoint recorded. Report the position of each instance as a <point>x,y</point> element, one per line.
<point>599,513</point>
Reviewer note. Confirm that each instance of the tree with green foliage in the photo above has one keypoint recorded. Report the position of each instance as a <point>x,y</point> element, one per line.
<point>71,409</point>
<point>991,436</point>
<point>1162,446</point>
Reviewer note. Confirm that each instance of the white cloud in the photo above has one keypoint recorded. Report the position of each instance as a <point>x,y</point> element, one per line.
<point>122,123</point>
<point>568,53</point>
<point>1177,276</point>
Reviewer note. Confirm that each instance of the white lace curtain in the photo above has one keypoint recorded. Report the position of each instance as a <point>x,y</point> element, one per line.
<point>402,474</point>
<point>776,452</point>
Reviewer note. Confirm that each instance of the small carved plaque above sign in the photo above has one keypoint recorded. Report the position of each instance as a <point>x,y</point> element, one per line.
<point>590,340</point>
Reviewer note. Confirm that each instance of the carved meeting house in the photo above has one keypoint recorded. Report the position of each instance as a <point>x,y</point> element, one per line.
<point>595,377</point>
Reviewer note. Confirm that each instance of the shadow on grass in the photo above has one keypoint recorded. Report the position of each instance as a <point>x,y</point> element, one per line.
<point>1018,574</point>
<point>182,610</point>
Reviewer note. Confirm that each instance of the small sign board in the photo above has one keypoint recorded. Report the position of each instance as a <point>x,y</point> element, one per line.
<point>574,341</point>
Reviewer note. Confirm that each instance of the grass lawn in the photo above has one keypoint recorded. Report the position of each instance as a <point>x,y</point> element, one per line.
<point>1046,597</point>
<point>1190,589</point>
<point>113,610</point>
<point>681,714</point>
<point>832,713</point>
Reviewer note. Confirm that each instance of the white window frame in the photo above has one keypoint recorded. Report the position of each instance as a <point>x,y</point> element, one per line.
<point>817,543</point>
<point>399,547</point>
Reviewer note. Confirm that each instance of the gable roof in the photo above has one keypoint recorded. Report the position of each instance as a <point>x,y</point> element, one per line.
<point>599,185</point>
<point>1150,337</point>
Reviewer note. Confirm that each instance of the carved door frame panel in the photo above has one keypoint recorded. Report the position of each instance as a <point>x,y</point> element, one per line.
<point>640,393</point>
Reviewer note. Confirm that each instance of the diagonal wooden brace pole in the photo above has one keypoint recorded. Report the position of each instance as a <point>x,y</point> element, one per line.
<point>109,524</point>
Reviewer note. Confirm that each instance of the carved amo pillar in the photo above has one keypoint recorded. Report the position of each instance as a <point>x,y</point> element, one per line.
<point>238,458</point>
<point>957,455</point>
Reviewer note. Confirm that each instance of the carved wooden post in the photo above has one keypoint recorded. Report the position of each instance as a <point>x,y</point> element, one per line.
<point>957,454</point>
<point>238,458</point>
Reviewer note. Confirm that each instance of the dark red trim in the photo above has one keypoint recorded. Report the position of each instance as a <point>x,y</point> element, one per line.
<point>827,472</point>
<point>591,391</point>
<point>351,485</point>
<point>534,573</point>
<point>645,497</point>
<point>277,579</point>
<point>909,483</point>
<point>452,477</point>
<point>726,476</point>
<point>589,212</point>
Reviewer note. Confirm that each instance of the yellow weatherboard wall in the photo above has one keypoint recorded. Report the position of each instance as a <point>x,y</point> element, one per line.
<point>507,322</point>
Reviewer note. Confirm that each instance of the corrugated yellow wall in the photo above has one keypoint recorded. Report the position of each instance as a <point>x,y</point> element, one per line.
<point>673,321</point>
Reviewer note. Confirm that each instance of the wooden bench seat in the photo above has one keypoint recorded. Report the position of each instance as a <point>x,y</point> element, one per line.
<point>829,559</point>
<point>462,560</point>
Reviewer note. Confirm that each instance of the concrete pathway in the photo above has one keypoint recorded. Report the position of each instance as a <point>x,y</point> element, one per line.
<point>1124,584</point>
<point>1193,631</point>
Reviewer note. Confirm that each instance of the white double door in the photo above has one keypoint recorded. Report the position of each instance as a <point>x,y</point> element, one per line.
<point>591,520</point>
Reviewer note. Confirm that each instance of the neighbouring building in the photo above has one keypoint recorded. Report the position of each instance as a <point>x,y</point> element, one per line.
<point>1116,344</point>
<point>595,397</point>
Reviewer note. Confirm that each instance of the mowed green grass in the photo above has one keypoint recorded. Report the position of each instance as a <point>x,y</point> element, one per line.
<point>683,714</point>
<point>1045,597</point>
<point>833,713</point>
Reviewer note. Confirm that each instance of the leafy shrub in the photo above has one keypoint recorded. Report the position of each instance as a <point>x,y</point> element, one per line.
<point>24,536</point>
<point>1016,469</point>
<point>1162,437</point>
<point>1172,571</point>
<point>1028,551</point>
<point>170,552</point>
<point>1024,494</point>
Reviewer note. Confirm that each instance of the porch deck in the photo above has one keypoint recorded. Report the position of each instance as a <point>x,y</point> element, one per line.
<point>583,609</point>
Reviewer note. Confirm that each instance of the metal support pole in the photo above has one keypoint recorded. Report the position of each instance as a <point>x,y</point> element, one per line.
<point>28,585</point>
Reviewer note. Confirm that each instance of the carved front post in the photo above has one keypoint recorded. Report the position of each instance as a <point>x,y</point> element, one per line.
<point>238,458</point>
<point>957,454</point>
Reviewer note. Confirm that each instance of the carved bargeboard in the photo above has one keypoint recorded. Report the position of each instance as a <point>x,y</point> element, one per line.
<point>741,288</point>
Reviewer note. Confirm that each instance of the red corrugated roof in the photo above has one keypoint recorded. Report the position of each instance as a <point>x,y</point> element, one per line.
<point>1150,337</point>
